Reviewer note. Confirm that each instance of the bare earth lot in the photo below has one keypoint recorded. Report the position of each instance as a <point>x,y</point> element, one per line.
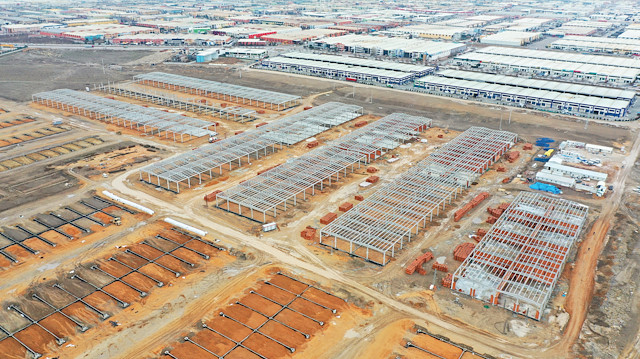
<point>384,304</point>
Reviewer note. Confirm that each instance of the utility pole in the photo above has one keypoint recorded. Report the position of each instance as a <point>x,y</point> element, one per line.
<point>510,111</point>
<point>500,121</point>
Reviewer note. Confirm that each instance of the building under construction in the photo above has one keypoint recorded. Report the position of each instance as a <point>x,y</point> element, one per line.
<point>518,262</point>
<point>147,120</point>
<point>381,225</point>
<point>238,150</point>
<point>222,91</point>
<point>261,197</point>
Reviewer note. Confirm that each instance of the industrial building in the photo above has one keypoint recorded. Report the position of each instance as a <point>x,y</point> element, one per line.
<point>433,31</point>
<point>574,172</point>
<point>208,55</point>
<point>301,36</point>
<point>95,32</point>
<point>553,96</point>
<point>219,90</point>
<point>518,262</point>
<point>381,225</point>
<point>346,68</point>
<point>281,187</point>
<point>418,49</point>
<point>511,38</point>
<point>557,86</point>
<point>147,120</point>
<point>556,179</point>
<point>232,151</point>
<point>173,39</point>
<point>597,44</point>
<point>630,34</point>
<point>555,64</point>
<point>562,56</point>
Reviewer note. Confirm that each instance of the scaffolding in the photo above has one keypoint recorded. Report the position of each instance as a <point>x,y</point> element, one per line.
<point>280,187</point>
<point>234,113</point>
<point>219,90</point>
<point>518,262</point>
<point>238,150</point>
<point>143,119</point>
<point>379,226</point>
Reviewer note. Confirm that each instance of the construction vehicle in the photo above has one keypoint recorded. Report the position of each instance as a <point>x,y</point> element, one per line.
<point>116,221</point>
<point>212,139</point>
<point>601,188</point>
<point>549,153</point>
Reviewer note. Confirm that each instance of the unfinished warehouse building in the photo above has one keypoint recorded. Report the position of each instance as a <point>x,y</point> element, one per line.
<point>518,262</point>
<point>219,90</point>
<point>147,120</point>
<point>379,226</point>
<point>262,197</point>
<point>201,163</point>
<point>195,105</point>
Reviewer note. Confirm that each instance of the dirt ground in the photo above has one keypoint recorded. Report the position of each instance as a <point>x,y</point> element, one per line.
<point>367,327</point>
<point>611,328</point>
<point>115,161</point>
<point>127,289</point>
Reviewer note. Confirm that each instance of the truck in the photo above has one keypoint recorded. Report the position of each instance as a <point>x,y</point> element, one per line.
<point>601,188</point>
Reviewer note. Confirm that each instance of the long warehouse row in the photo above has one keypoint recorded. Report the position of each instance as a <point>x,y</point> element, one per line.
<point>339,70</point>
<point>547,63</point>
<point>261,197</point>
<point>219,90</point>
<point>235,113</point>
<point>530,93</point>
<point>139,118</point>
<point>192,165</point>
<point>518,262</point>
<point>379,226</point>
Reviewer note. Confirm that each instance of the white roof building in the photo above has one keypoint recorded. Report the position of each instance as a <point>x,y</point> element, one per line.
<point>511,38</point>
<point>575,172</point>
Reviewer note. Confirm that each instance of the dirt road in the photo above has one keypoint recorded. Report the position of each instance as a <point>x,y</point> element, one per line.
<point>583,273</point>
<point>189,213</point>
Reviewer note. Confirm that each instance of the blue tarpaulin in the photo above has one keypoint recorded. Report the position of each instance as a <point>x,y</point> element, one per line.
<point>545,187</point>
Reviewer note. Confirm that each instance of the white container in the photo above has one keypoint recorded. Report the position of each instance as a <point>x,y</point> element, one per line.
<point>268,227</point>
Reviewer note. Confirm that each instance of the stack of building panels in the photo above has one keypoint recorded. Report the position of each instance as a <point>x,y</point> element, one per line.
<point>379,226</point>
<point>222,91</point>
<point>518,262</point>
<point>124,114</point>
<point>170,172</point>
<point>279,188</point>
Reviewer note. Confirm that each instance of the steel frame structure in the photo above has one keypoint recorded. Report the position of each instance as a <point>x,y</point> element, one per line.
<point>235,113</point>
<point>53,221</point>
<point>239,149</point>
<point>518,262</point>
<point>280,187</point>
<point>135,117</point>
<point>219,90</point>
<point>379,226</point>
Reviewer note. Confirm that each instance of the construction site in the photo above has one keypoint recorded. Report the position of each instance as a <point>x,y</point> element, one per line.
<point>192,212</point>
